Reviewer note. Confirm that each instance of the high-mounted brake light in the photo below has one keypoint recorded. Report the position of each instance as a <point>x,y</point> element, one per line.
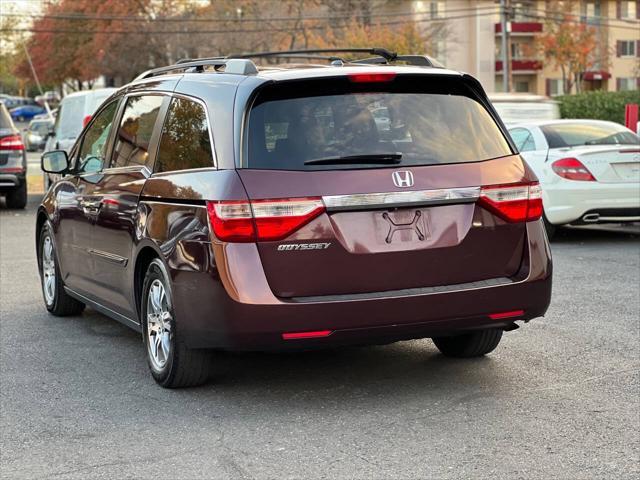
<point>376,77</point>
<point>572,169</point>
<point>12,142</point>
<point>261,220</point>
<point>518,202</point>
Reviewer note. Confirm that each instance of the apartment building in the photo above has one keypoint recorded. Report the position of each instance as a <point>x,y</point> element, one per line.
<point>471,41</point>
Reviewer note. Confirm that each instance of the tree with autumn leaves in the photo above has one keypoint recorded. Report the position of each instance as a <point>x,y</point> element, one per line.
<point>570,45</point>
<point>76,41</point>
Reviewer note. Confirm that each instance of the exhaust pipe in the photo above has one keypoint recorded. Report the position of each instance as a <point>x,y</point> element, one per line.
<point>591,218</point>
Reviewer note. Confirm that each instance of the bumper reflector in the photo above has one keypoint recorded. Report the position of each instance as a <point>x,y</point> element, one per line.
<point>501,315</point>
<point>301,335</point>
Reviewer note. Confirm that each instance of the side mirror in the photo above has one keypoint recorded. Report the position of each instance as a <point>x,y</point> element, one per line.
<point>55,161</point>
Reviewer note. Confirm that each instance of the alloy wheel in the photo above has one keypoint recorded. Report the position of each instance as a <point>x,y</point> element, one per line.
<point>48,271</point>
<point>158,324</point>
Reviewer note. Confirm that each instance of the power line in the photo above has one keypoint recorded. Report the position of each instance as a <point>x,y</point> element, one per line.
<point>83,17</point>
<point>241,30</point>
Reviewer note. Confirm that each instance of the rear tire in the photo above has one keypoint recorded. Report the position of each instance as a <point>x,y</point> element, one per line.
<point>172,364</point>
<point>17,198</point>
<point>549,227</point>
<point>474,344</point>
<point>56,299</point>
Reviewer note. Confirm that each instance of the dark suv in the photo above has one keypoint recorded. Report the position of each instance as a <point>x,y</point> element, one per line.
<point>13,162</point>
<point>212,205</point>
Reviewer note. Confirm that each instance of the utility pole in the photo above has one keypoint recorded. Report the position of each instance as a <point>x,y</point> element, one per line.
<point>506,57</point>
<point>35,76</point>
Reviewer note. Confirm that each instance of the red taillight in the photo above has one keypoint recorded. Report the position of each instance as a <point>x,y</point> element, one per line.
<point>501,315</point>
<point>377,77</point>
<point>301,335</point>
<point>86,120</point>
<point>261,220</point>
<point>12,142</point>
<point>572,169</point>
<point>519,202</point>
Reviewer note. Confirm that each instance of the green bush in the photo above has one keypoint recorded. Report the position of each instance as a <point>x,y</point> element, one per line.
<point>598,105</point>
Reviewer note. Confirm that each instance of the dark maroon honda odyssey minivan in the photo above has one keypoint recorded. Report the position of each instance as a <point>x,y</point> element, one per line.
<point>214,205</point>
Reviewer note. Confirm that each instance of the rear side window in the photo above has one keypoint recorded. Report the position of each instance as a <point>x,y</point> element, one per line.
<point>185,143</point>
<point>134,133</point>
<point>417,123</point>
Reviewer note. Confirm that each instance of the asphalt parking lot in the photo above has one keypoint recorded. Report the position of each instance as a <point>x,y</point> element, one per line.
<point>557,399</point>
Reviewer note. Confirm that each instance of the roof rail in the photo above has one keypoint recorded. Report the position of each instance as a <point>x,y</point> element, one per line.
<point>236,65</point>
<point>381,52</point>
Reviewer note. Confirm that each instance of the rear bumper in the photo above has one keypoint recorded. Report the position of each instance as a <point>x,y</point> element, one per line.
<point>569,201</point>
<point>9,181</point>
<point>241,312</point>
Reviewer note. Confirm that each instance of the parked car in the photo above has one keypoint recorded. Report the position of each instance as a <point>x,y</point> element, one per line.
<point>589,170</point>
<point>26,112</point>
<point>37,133</point>
<point>51,116</point>
<point>73,114</point>
<point>516,108</point>
<point>13,162</point>
<point>219,209</point>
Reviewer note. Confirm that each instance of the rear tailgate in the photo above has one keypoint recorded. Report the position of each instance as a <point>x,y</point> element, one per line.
<point>398,162</point>
<point>353,250</point>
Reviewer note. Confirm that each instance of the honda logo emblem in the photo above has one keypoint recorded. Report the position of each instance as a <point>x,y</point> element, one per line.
<point>402,178</point>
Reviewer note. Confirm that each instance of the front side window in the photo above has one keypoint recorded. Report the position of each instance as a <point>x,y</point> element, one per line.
<point>562,135</point>
<point>185,143</point>
<point>134,133</point>
<point>406,122</point>
<point>94,143</point>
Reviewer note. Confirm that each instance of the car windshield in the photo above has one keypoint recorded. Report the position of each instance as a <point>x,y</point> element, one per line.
<point>562,135</point>
<point>337,124</point>
<point>39,127</point>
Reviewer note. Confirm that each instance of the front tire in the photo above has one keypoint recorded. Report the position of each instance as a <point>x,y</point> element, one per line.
<point>17,198</point>
<point>474,344</point>
<point>56,299</point>
<point>172,364</point>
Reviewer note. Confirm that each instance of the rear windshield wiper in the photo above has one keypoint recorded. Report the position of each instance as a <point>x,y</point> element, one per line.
<point>375,158</point>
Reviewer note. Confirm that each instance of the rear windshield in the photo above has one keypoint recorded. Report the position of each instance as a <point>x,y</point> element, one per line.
<point>408,120</point>
<point>562,135</point>
<point>70,117</point>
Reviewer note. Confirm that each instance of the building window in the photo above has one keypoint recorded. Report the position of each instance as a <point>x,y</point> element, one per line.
<point>628,9</point>
<point>521,87</point>
<point>555,86</point>
<point>436,9</point>
<point>626,48</point>
<point>440,50</point>
<point>625,84</point>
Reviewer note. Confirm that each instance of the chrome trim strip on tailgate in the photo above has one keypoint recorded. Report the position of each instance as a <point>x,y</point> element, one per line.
<point>407,292</point>
<point>362,201</point>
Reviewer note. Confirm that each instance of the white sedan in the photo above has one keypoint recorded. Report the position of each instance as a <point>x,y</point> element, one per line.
<point>589,170</point>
